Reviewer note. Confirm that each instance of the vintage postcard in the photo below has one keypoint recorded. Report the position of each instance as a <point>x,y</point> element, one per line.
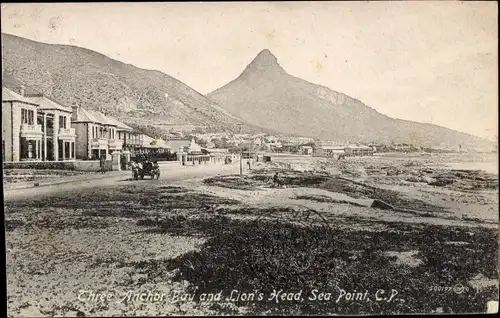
<point>250,158</point>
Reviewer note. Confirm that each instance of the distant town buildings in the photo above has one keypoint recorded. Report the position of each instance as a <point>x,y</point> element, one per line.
<point>306,150</point>
<point>358,150</point>
<point>329,150</point>
<point>339,150</point>
<point>190,153</point>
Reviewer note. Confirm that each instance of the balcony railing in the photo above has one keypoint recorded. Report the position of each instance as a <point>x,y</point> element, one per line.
<point>115,144</point>
<point>30,130</point>
<point>99,143</point>
<point>132,142</point>
<point>67,132</point>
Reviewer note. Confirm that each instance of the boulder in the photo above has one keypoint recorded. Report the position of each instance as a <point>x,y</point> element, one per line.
<point>413,179</point>
<point>379,204</point>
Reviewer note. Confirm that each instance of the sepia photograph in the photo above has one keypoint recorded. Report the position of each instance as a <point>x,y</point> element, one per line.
<point>250,158</point>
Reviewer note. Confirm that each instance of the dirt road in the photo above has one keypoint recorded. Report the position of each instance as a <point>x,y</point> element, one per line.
<point>167,176</point>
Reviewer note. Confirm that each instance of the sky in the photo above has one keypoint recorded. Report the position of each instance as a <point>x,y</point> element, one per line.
<point>432,62</point>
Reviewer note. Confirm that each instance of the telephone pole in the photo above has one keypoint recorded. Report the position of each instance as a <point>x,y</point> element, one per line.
<point>241,156</point>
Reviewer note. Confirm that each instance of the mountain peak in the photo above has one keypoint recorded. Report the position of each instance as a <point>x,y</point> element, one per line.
<point>266,55</point>
<point>264,60</point>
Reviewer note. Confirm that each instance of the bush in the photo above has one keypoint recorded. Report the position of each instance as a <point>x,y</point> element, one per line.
<point>53,165</point>
<point>164,156</point>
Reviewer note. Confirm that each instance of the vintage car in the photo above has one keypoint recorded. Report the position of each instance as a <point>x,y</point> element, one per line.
<point>147,169</point>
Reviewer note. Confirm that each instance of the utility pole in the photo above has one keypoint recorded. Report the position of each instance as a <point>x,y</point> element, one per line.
<point>252,152</point>
<point>241,156</point>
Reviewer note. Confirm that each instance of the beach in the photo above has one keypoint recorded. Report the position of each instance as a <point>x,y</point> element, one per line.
<point>366,226</point>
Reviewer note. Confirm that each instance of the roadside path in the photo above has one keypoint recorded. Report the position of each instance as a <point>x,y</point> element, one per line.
<point>118,178</point>
<point>61,180</point>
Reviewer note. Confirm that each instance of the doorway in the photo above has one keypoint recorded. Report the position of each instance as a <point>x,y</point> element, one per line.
<point>103,153</point>
<point>50,150</point>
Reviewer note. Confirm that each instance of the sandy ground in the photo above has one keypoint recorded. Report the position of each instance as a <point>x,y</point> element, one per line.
<point>204,231</point>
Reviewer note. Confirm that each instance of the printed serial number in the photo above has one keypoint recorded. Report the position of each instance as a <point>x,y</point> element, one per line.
<point>457,289</point>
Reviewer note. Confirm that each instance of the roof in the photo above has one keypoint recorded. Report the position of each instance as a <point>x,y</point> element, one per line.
<point>333,147</point>
<point>102,119</point>
<point>156,143</point>
<point>216,150</point>
<point>150,142</point>
<point>176,144</point>
<point>358,147</point>
<point>161,143</point>
<point>146,138</point>
<point>11,96</point>
<point>83,115</point>
<point>46,104</point>
<point>119,124</point>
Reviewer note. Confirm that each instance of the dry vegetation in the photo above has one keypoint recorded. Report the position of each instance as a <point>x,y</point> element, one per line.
<point>219,236</point>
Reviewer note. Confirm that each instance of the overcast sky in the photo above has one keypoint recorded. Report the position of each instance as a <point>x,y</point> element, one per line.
<point>424,61</point>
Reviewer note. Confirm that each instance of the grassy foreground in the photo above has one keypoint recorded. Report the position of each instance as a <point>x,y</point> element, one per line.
<point>262,250</point>
<point>265,255</point>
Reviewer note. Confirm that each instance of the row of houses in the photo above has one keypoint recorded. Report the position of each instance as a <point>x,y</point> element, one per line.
<point>336,150</point>
<point>36,128</point>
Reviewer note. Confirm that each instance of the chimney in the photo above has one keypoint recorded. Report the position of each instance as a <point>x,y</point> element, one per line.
<point>21,90</point>
<point>74,114</point>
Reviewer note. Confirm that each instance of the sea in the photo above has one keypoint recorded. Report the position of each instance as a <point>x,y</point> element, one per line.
<point>487,162</point>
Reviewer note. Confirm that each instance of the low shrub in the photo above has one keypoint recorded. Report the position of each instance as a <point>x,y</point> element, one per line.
<point>52,165</point>
<point>164,156</point>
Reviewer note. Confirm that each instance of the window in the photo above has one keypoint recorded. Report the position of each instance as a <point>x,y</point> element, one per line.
<point>50,122</point>
<point>62,122</point>
<point>27,116</point>
<point>39,121</point>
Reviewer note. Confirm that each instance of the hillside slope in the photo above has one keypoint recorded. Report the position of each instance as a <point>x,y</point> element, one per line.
<point>265,95</point>
<point>73,75</point>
